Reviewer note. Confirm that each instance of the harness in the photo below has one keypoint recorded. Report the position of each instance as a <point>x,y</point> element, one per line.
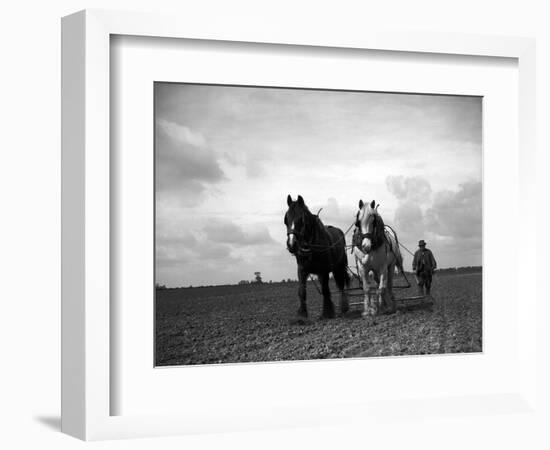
<point>373,236</point>
<point>306,248</point>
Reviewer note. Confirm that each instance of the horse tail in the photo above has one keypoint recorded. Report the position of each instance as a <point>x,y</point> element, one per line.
<point>339,257</point>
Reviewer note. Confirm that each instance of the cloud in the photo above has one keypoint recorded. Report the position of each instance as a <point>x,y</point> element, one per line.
<point>457,213</point>
<point>409,217</point>
<point>332,209</point>
<point>213,253</point>
<point>334,214</point>
<point>176,239</point>
<point>182,133</point>
<point>225,231</point>
<point>409,189</point>
<point>451,223</point>
<point>411,193</point>
<point>183,250</point>
<point>185,164</point>
<point>227,157</point>
<point>173,247</point>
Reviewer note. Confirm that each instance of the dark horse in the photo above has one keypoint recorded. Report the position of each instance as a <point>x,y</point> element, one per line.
<point>318,250</point>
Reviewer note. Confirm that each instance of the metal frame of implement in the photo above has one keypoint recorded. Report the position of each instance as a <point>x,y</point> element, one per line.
<point>400,303</point>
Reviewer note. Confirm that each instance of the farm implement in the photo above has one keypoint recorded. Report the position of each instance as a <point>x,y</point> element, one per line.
<point>372,293</point>
<point>376,239</point>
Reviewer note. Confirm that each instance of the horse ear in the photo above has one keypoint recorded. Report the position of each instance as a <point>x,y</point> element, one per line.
<point>361,204</point>
<point>376,209</point>
<point>289,200</point>
<point>300,200</point>
<point>372,204</point>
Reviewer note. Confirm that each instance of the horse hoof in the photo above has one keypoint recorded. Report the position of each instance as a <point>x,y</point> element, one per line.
<point>327,316</point>
<point>300,321</point>
<point>301,318</point>
<point>369,313</point>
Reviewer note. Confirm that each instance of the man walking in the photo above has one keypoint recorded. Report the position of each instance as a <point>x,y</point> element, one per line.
<point>424,265</point>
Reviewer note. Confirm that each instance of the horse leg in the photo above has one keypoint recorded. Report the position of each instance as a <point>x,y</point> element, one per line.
<point>328,306</point>
<point>340,277</point>
<point>382,288</point>
<point>302,279</point>
<point>366,296</point>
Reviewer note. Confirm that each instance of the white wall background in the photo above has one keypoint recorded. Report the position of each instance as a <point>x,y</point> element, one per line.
<point>30,197</point>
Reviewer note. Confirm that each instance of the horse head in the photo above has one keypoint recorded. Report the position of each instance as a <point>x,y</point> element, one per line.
<point>298,221</point>
<point>370,225</point>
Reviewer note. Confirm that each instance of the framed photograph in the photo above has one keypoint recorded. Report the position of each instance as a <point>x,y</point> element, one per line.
<point>242,284</point>
<point>266,228</point>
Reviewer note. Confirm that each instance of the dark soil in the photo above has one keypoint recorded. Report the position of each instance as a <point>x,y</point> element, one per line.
<point>256,322</point>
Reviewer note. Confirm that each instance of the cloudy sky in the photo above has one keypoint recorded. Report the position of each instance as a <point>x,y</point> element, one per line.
<point>227,157</point>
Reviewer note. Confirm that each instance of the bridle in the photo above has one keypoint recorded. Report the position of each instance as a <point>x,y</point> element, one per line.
<point>370,235</point>
<point>300,237</point>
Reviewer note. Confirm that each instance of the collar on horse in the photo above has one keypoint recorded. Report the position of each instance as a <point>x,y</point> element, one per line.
<point>306,243</point>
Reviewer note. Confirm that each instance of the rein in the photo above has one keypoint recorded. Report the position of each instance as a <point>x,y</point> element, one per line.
<point>300,236</point>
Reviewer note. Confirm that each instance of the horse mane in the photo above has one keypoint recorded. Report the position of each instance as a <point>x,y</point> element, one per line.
<point>379,233</point>
<point>307,213</point>
<point>318,227</point>
<point>315,229</point>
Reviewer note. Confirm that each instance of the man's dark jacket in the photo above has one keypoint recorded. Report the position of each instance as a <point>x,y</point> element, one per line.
<point>424,260</point>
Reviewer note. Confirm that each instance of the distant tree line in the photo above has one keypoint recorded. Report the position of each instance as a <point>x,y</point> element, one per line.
<point>459,270</point>
<point>258,278</point>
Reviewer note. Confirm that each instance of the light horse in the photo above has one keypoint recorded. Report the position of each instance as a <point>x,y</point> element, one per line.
<point>376,249</point>
<point>318,250</point>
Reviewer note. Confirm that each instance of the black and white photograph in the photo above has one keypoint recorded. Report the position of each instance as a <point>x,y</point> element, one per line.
<point>305,224</point>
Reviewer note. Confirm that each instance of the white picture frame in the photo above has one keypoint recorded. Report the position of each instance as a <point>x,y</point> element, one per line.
<point>86,220</point>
